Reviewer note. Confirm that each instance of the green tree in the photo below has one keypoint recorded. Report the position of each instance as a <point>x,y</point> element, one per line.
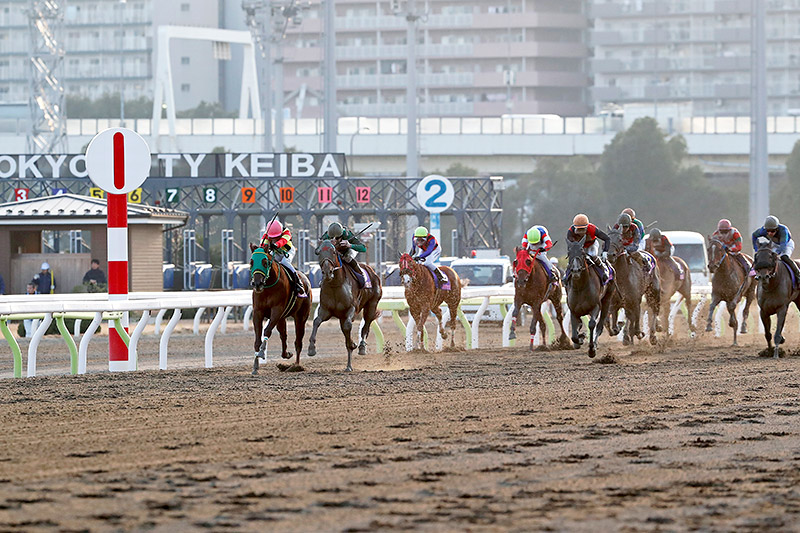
<point>786,195</point>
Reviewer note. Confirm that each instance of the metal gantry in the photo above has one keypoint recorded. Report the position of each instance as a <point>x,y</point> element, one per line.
<point>46,96</point>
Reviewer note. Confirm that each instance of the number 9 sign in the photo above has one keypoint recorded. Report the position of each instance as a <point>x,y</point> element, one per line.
<point>435,193</point>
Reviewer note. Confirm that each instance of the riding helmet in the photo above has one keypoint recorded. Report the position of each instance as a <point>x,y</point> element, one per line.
<point>274,229</point>
<point>421,231</point>
<point>534,236</point>
<point>629,211</point>
<point>335,230</point>
<point>580,221</point>
<point>771,222</point>
<point>724,225</point>
<point>655,233</point>
<point>624,220</point>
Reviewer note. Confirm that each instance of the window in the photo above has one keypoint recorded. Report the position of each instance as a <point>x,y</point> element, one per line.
<point>185,7</point>
<point>184,60</point>
<point>185,87</point>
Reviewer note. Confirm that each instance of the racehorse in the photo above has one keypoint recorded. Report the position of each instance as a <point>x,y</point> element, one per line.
<point>424,297</point>
<point>729,282</point>
<point>531,287</point>
<point>775,292</point>
<point>632,283</point>
<point>670,284</point>
<point>340,297</point>
<point>274,298</point>
<point>586,295</point>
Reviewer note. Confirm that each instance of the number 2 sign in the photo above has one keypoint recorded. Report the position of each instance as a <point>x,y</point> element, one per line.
<point>435,193</point>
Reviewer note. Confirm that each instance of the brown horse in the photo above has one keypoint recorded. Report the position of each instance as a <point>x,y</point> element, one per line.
<point>586,295</point>
<point>340,297</point>
<point>424,297</point>
<point>274,299</point>
<point>531,287</point>
<point>672,283</point>
<point>729,282</point>
<point>775,293</point>
<point>632,282</point>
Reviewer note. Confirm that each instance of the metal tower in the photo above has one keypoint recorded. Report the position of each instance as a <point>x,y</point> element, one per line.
<point>46,101</point>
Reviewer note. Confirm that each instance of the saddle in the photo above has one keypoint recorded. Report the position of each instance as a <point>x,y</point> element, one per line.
<point>648,261</point>
<point>445,285</point>
<point>362,279</point>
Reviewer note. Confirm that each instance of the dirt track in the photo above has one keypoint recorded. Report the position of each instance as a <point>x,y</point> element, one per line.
<point>694,435</point>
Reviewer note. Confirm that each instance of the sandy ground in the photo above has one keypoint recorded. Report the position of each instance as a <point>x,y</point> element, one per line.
<point>687,435</point>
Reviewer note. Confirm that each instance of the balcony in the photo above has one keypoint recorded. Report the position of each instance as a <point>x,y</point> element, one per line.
<point>369,81</point>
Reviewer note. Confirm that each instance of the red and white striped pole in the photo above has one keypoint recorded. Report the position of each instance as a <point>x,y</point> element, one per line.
<point>118,161</point>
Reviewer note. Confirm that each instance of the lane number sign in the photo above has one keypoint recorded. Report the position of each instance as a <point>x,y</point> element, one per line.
<point>287,195</point>
<point>248,195</point>
<point>96,192</point>
<point>20,194</point>
<point>172,195</point>
<point>324,195</point>
<point>435,193</point>
<point>363,194</point>
<point>135,196</point>
<point>210,195</point>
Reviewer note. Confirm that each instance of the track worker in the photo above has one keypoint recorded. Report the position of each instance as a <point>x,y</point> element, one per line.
<point>537,242</point>
<point>348,245</point>
<point>44,281</point>
<point>279,241</point>
<point>426,251</point>
<point>780,240</point>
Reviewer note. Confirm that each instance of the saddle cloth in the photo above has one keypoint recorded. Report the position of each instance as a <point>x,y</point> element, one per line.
<point>650,261</point>
<point>445,286</point>
<point>363,280</point>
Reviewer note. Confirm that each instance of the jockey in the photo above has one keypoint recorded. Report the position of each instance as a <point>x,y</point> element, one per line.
<point>279,240</point>
<point>780,241</point>
<point>660,246</point>
<point>631,238</point>
<point>348,245</point>
<point>732,240</point>
<point>426,251</point>
<point>582,228</point>
<point>630,212</point>
<point>537,242</point>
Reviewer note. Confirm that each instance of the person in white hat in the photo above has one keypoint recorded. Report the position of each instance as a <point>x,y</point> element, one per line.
<point>44,281</point>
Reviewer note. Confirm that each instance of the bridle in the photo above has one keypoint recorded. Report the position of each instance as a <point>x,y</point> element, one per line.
<point>773,268</point>
<point>327,246</point>
<point>261,263</point>
<point>711,242</point>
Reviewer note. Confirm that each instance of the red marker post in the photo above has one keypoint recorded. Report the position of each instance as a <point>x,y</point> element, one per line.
<point>118,161</point>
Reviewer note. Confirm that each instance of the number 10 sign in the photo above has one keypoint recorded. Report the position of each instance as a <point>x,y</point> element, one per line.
<point>435,193</point>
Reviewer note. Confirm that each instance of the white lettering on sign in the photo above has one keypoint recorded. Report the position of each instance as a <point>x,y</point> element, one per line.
<point>73,166</point>
<point>194,164</point>
<point>231,164</point>
<point>169,160</point>
<point>261,165</point>
<point>28,163</point>
<point>282,160</point>
<point>55,164</point>
<point>12,166</point>
<point>329,165</point>
<point>304,162</point>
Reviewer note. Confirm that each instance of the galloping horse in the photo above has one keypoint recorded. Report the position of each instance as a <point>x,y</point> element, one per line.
<point>586,295</point>
<point>632,283</point>
<point>340,297</point>
<point>274,299</point>
<point>670,284</point>
<point>729,282</point>
<point>531,287</point>
<point>775,293</point>
<point>424,297</point>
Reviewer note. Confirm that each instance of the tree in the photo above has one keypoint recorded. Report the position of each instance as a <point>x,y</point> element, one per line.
<point>786,196</point>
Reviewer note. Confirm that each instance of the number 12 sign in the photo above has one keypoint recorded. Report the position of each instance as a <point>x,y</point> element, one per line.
<point>435,193</point>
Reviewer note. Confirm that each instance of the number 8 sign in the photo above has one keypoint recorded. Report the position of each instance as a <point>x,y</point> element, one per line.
<point>435,193</point>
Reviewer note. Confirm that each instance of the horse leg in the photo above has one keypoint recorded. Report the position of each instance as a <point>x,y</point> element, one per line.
<point>654,304</point>
<point>687,296</point>
<point>284,344</point>
<point>766,320</point>
<point>258,319</point>
<point>453,322</point>
<point>592,325</point>
<point>437,312</point>
<point>537,320</point>
<point>323,315</point>
<point>748,297</point>
<point>514,316</point>
<point>779,329</point>
<point>346,324</point>
<point>423,317</point>
<point>299,331</point>
<point>576,323</point>
<point>555,299</point>
<point>369,313</point>
<point>715,299</point>
<point>732,322</point>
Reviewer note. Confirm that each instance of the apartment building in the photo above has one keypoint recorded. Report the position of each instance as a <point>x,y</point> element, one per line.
<point>475,58</point>
<point>692,51</point>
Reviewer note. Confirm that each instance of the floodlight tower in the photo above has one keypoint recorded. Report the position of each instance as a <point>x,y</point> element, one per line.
<point>47,132</point>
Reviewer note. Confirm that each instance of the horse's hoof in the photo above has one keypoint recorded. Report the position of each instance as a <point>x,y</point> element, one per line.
<point>626,341</point>
<point>576,345</point>
<point>640,335</point>
<point>743,330</point>
<point>708,328</point>
<point>287,355</point>
<point>254,373</point>
<point>348,368</point>
<point>362,349</point>
<point>312,351</point>
<point>592,353</point>
<point>653,341</point>
<point>512,336</point>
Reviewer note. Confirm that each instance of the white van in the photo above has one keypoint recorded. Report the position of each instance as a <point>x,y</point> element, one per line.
<point>485,272</point>
<point>691,247</point>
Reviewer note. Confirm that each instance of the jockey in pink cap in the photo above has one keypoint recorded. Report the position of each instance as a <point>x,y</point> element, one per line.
<point>279,240</point>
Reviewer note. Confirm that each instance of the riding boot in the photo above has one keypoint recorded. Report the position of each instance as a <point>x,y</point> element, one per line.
<point>359,272</point>
<point>442,279</point>
<point>788,260</point>
<point>676,268</point>
<point>299,288</point>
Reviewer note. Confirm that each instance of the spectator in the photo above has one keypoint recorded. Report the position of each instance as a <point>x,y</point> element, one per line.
<point>95,279</point>
<point>44,281</point>
<point>2,285</point>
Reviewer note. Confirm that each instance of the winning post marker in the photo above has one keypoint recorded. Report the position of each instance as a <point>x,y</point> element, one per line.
<point>118,161</point>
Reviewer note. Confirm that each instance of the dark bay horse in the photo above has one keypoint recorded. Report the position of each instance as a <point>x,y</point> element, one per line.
<point>274,298</point>
<point>672,283</point>
<point>632,282</point>
<point>424,297</point>
<point>531,287</point>
<point>586,295</point>
<point>729,282</point>
<point>775,293</point>
<point>340,297</point>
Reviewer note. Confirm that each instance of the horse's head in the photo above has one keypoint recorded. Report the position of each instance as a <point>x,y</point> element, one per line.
<point>260,265</point>
<point>523,265</point>
<point>615,246</point>
<point>716,253</point>
<point>406,264</point>
<point>765,261</point>
<point>328,259</point>
<point>576,255</point>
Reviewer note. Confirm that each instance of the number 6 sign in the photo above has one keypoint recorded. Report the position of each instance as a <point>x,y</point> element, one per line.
<point>435,193</point>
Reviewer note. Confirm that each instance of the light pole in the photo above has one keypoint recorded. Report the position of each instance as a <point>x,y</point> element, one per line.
<point>121,64</point>
<point>352,138</point>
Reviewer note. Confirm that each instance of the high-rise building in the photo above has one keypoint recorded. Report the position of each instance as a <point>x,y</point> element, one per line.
<point>475,57</point>
<point>695,52</point>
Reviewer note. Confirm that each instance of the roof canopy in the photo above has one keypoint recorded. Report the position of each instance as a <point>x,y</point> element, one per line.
<point>70,209</point>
